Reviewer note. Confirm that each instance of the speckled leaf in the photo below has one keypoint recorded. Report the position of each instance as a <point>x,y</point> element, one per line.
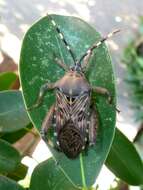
<point>37,66</point>
<point>13,116</point>
<point>55,179</point>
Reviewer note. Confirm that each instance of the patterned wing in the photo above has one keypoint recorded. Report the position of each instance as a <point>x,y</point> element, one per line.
<point>71,123</point>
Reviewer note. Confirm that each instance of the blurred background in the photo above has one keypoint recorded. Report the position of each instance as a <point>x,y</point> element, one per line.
<point>105,15</point>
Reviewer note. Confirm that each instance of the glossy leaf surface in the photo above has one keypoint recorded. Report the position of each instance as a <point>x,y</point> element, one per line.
<point>48,175</point>
<point>124,161</point>
<point>37,66</point>
<point>9,157</point>
<point>13,115</point>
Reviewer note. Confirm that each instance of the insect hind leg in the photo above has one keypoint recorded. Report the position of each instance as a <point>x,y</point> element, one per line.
<point>47,123</point>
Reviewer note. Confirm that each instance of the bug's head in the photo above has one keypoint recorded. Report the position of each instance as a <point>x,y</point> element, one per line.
<point>77,68</point>
<point>73,72</point>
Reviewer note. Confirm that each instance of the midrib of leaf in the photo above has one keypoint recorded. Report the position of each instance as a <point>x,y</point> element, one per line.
<point>13,110</point>
<point>82,173</point>
<point>67,176</point>
<point>81,159</point>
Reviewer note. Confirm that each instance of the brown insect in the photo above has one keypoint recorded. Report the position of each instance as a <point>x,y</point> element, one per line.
<point>73,115</point>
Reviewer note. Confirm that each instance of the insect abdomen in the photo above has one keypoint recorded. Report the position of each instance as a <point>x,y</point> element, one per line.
<point>70,140</point>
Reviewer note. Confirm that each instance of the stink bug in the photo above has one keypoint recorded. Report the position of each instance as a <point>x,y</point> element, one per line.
<point>73,115</point>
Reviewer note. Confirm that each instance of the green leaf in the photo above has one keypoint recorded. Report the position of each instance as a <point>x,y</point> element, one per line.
<point>12,137</point>
<point>9,157</point>
<point>8,184</point>
<point>140,62</point>
<point>37,66</point>
<point>124,161</point>
<point>13,115</point>
<point>48,175</point>
<point>7,80</point>
<point>139,142</point>
<point>19,173</point>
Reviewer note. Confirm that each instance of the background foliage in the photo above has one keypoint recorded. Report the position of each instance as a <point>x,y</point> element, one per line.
<point>123,159</point>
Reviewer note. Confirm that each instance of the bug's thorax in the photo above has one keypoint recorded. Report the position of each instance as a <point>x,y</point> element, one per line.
<point>73,84</point>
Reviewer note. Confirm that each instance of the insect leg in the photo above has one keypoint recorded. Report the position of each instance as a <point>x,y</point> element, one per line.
<point>93,125</point>
<point>61,64</point>
<point>47,123</point>
<point>96,45</point>
<point>42,92</point>
<point>103,91</point>
<point>86,61</point>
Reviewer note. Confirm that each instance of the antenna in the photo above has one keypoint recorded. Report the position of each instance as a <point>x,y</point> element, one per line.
<point>61,35</point>
<point>96,45</point>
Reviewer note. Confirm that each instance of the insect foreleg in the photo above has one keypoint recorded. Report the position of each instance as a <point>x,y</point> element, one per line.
<point>103,91</point>
<point>86,61</point>
<point>61,64</point>
<point>42,92</point>
<point>47,123</point>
